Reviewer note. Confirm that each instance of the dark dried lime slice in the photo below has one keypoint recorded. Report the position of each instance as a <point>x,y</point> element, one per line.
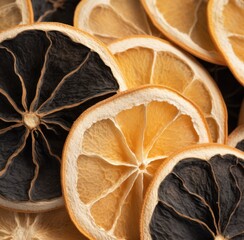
<point>54,10</point>
<point>197,194</point>
<point>49,74</point>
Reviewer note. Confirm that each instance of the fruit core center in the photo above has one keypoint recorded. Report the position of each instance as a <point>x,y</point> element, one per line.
<point>31,120</point>
<point>220,237</point>
<point>142,167</point>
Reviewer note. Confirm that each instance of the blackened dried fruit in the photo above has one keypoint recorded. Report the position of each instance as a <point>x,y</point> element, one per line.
<point>197,194</point>
<point>49,74</point>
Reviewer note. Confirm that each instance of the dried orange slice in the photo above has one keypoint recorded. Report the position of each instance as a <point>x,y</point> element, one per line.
<point>111,19</point>
<point>113,150</point>
<point>197,195</point>
<point>184,23</point>
<point>236,138</point>
<point>15,12</point>
<point>53,225</point>
<point>49,74</point>
<point>149,60</point>
<point>54,10</point>
<point>226,27</point>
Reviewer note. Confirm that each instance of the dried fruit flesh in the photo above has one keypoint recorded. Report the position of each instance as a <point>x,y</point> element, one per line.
<point>113,150</point>
<point>15,12</point>
<point>53,225</point>
<point>185,24</point>
<point>49,74</point>
<point>54,10</point>
<point>112,19</point>
<point>236,138</point>
<point>149,60</point>
<point>197,194</point>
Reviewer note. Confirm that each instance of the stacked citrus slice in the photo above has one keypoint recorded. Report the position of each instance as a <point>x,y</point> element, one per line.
<point>53,225</point>
<point>113,150</point>
<point>185,23</point>
<point>226,27</point>
<point>15,12</point>
<point>197,194</point>
<point>236,138</point>
<point>49,74</point>
<point>54,10</point>
<point>149,60</point>
<point>110,19</point>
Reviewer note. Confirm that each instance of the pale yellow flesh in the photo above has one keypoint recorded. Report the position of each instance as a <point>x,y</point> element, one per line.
<point>114,19</point>
<point>54,225</point>
<point>120,157</point>
<point>185,23</point>
<point>142,65</point>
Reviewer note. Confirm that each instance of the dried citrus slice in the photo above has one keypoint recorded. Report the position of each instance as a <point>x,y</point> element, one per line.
<point>111,19</point>
<point>236,138</point>
<point>149,60</point>
<point>53,225</point>
<point>184,23</point>
<point>197,194</point>
<point>54,10</point>
<point>113,150</point>
<point>226,27</point>
<point>15,12</point>
<point>49,74</point>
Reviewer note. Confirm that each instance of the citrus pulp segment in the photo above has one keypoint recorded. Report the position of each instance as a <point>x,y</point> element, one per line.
<point>53,225</point>
<point>49,74</point>
<point>15,12</point>
<point>113,150</point>
<point>184,23</point>
<point>110,19</point>
<point>236,138</point>
<point>149,60</point>
<point>196,194</point>
<point>225,25</point>
<point>54,10</point>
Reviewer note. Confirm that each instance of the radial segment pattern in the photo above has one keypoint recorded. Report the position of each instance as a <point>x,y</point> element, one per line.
<point>116,157</point>
<point>46,81</point>
<point>202,197</point>
<point>149,60</point>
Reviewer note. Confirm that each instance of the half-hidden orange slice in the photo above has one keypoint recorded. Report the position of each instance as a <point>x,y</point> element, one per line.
<point>150,60</point>
<point>185,23</point>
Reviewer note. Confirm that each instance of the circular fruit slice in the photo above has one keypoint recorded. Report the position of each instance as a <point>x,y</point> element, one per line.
<point>149,60</point>
<point>49,74</point>
<point>184,23</point>
<point>196,194</point>
<point>15,12</point>
<point>53,225</point>
<point>111,19</point>
<point>236,138</point>
<point>54,10</point>
<point>226,27</point>
<point>112,152</point>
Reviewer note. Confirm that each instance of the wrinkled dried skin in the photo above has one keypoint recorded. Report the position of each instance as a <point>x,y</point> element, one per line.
<point>202,200</point>
<point>46,81</point>
<point>54,10</point>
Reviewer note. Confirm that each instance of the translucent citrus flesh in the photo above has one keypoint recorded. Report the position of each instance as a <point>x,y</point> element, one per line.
<point>123,154</point>
<point>146,66</point>
<point>116,19</point>
<point>233,18</point>
<point>185,23</point>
